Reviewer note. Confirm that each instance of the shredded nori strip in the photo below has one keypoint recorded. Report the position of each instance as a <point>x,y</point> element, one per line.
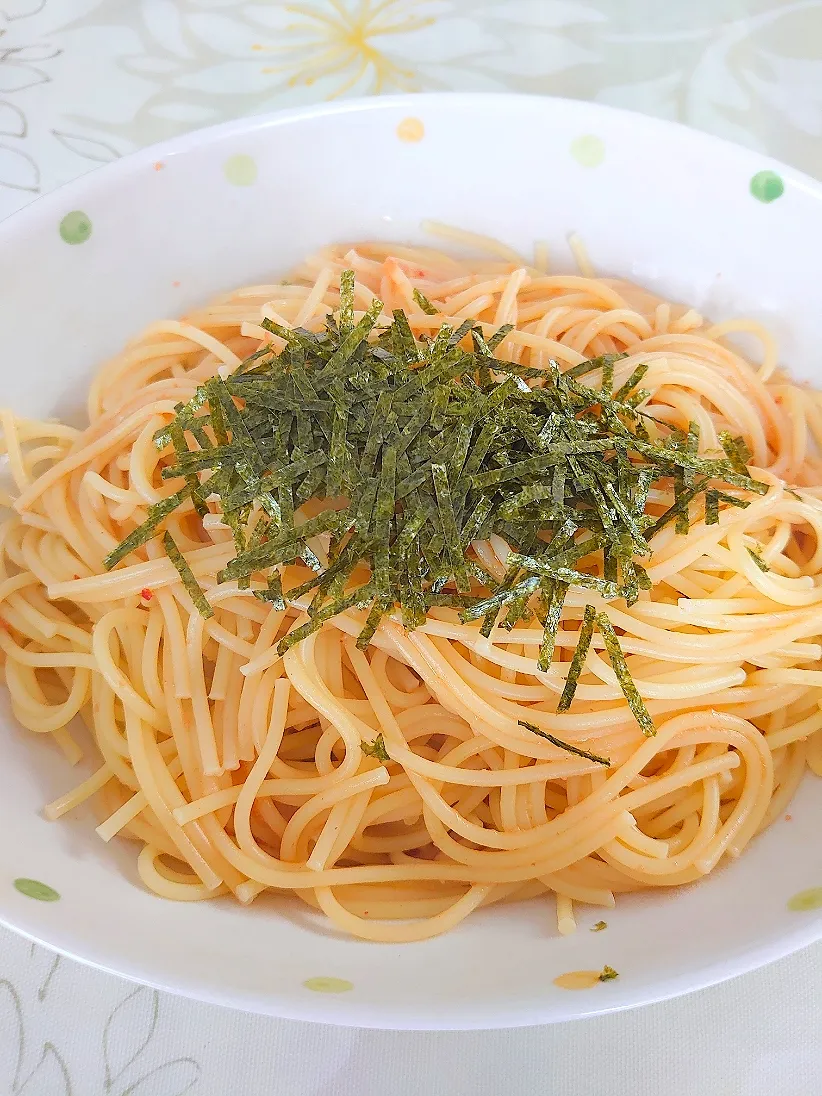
<point>189,581</point>
<point>412,449</point>
<point>578,661</point>
<point>623,675</point>
<point>143,533</point>
<point>556,592</point>
<point>711,507</point>
<point>565,745</point>
<point>756,556</point>
<point>424,303</point>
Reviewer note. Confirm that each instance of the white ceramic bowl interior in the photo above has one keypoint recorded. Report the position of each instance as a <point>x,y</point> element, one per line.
<point>83,270</point>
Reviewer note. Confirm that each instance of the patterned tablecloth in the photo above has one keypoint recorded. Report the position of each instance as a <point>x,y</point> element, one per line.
<point>83,82</point>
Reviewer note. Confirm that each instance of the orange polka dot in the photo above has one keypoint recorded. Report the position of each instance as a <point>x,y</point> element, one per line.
<point>411,129</point>
<point>159,165</point>
<point>577,979</point>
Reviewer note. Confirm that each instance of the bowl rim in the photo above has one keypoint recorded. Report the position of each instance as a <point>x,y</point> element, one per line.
<point>106,174</point>
<point>317,1007</point>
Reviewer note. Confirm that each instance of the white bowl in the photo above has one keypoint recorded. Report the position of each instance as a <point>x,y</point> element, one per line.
<point>662,205</point>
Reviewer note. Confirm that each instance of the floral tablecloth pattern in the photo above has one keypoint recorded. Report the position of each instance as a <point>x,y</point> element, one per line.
<point>83,82</point>
<point>66,1030</point>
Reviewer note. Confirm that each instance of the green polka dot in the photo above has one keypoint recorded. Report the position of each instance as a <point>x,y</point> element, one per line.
<point>75,227</point>
<point>588,150</point>
<point>33,889</point>
<point>240,170</point>
<point>328,985</point>
<point>806,900</point>
<point>767,186</point>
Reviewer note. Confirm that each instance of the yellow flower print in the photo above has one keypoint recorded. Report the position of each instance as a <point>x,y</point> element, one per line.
<point>343,38</point>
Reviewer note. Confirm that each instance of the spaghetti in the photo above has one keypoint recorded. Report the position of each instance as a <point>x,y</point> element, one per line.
<point>398,788</point>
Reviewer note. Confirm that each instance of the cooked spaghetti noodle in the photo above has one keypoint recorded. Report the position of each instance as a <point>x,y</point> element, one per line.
<point>237,769</point>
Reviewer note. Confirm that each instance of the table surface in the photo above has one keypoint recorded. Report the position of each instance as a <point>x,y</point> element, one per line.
<point>83,82</point>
